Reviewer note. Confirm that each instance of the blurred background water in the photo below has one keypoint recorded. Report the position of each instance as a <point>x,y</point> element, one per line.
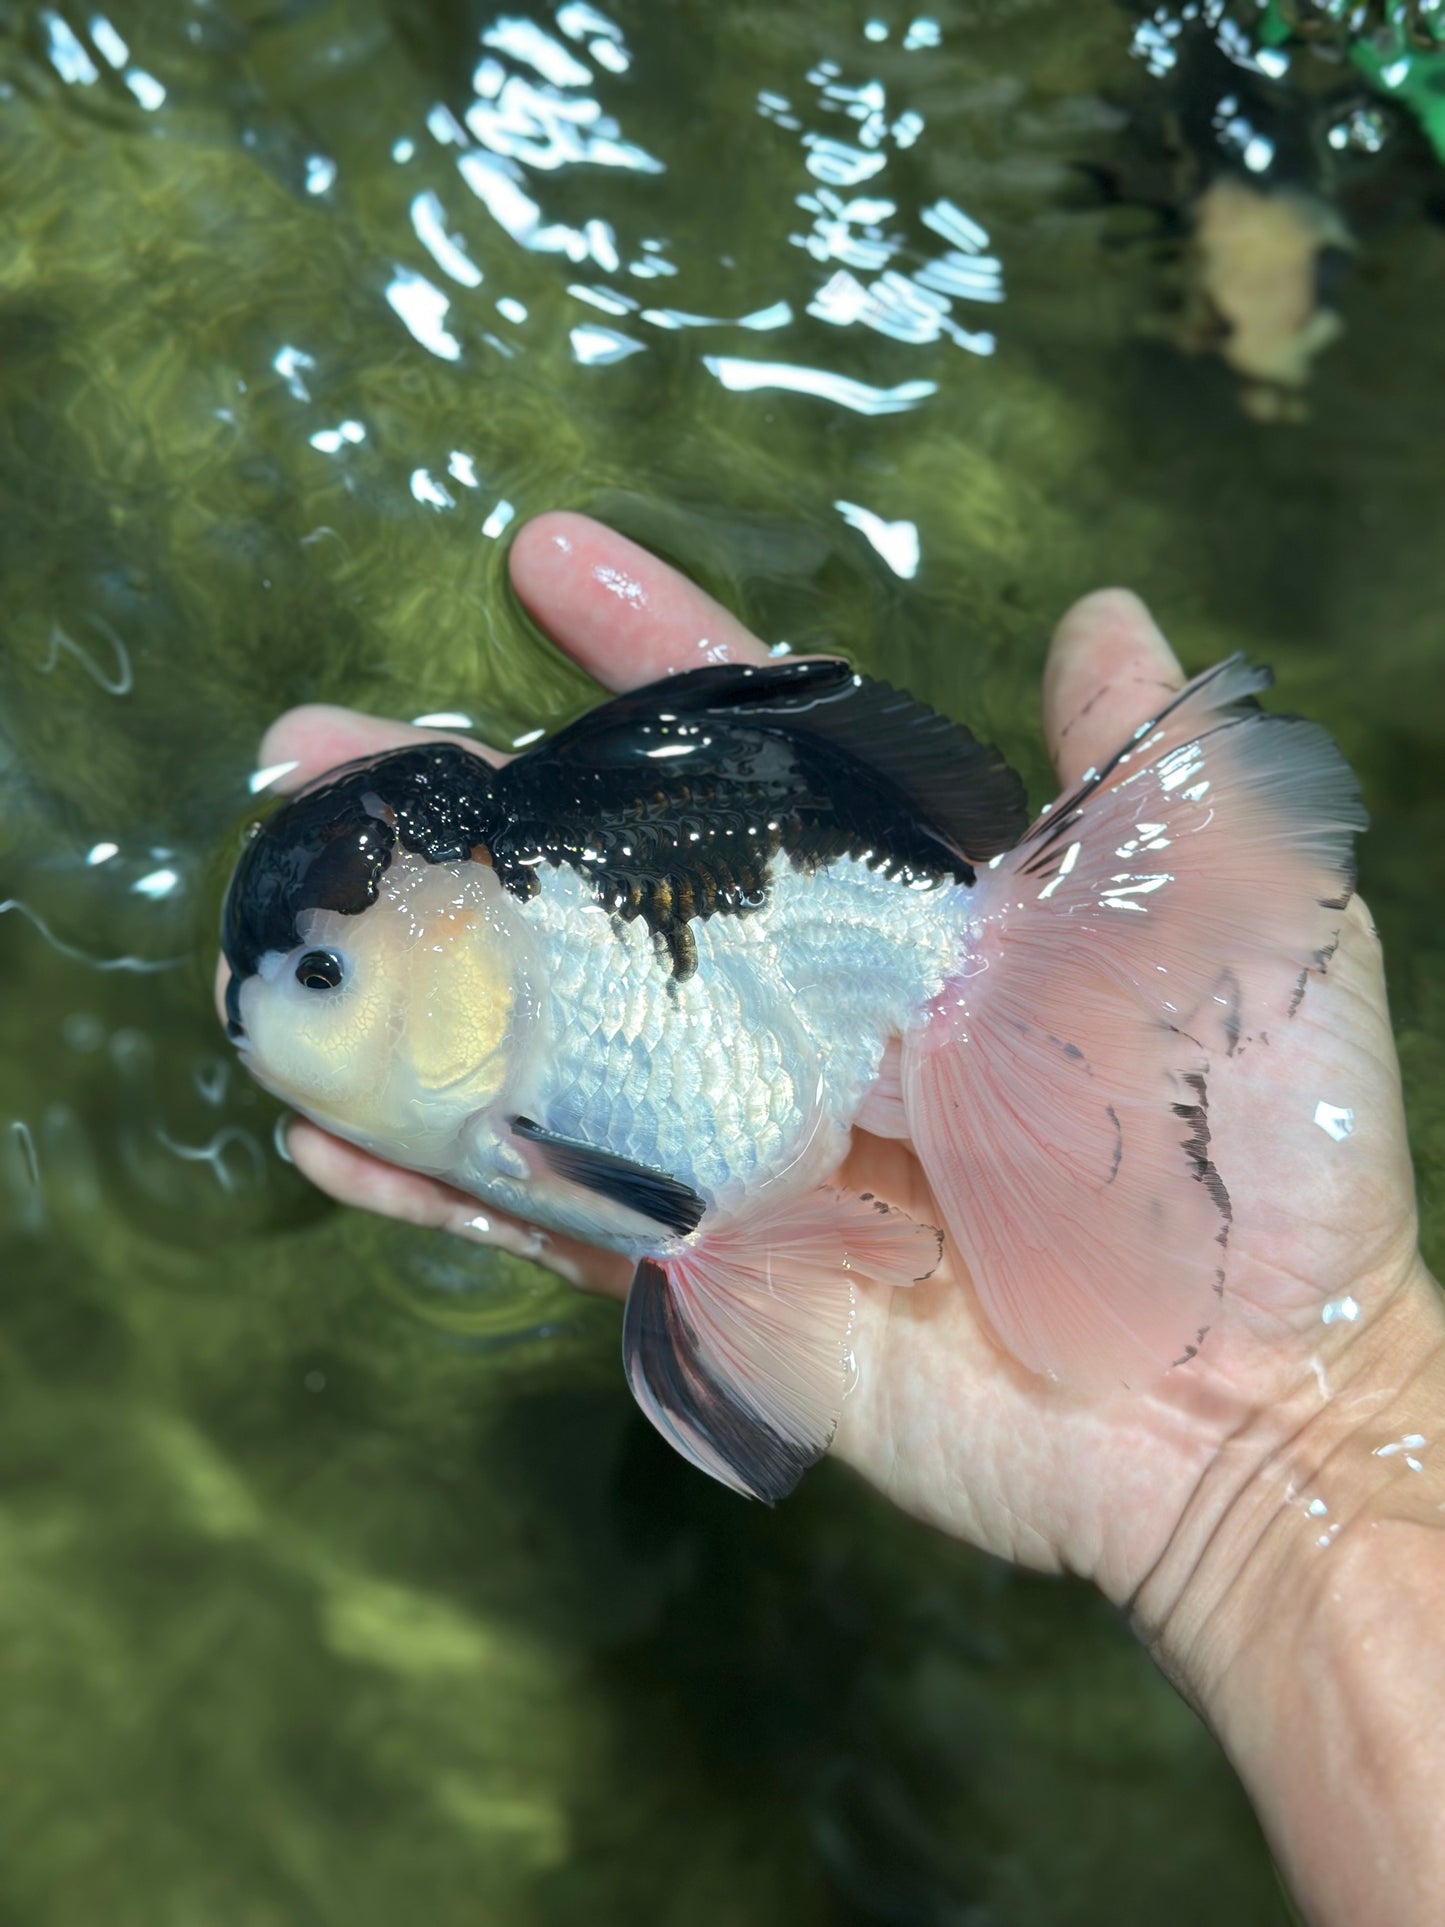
<point>340,1581</point>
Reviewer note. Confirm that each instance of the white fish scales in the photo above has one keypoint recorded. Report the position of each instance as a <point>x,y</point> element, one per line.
<point>728,1078</point>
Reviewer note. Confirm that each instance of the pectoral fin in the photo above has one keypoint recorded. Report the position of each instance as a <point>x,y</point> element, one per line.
<point>653,1194</point>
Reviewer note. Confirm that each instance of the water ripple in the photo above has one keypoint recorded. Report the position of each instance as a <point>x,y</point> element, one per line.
<point>119,682</point>
<point>742,377</point>
<point>144,965</point>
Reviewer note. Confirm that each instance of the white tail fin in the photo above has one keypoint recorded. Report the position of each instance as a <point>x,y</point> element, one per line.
<point>1058,1093</point>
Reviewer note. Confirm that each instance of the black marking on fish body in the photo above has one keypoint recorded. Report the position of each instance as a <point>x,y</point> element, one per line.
<point>1323,958</point>
<point>673,802</point>
<point>328,847</point>
<point>652,1194</point>
<point>1233,1001</point>
<point>1113,1117</point>
<point>1188,1036</point>
<point>1192,1351</point>
<point>1196,1148</point>
<point>662,1358</point>
<point>682,949</point>
<point>672,817</point>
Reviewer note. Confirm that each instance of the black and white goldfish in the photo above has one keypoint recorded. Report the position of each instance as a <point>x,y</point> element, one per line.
<point>641,984</point>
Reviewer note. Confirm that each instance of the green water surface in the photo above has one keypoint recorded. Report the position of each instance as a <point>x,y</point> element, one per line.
<point>339,1581</point>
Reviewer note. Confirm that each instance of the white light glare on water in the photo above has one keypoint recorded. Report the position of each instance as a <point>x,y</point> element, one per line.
<point>596,347</point>
<point>744,376</point>
<point>107,42</point>
<point>896,542</point>
<point>423,308</point>
<point>67,55</point>
<point>330,441</point>
<point>429,224</point>
<point>424,489</point>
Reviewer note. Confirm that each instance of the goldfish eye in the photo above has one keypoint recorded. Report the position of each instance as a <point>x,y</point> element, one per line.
<point>319,970</point>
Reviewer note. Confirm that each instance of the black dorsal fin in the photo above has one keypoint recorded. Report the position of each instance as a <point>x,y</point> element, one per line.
<point>960,787</point>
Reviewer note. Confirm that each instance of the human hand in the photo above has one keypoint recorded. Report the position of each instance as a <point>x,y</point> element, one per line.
<point>944,1421</point>
<point>1265,1511</point>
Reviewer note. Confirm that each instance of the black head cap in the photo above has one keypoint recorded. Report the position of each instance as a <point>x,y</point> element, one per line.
<point>328,848</point>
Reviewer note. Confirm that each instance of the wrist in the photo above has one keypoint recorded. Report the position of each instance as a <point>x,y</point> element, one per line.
<point>1305,1477</point>
<point>1297,1607</point>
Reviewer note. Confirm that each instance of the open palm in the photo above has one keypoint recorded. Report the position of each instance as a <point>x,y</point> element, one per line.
<point>1307,1131</point>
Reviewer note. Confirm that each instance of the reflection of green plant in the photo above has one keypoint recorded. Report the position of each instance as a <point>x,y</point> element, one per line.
<point>1398,46</point>
<point>1418,20</point>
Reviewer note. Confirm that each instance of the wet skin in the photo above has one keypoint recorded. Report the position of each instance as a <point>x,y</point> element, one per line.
<point>1130,1488</point>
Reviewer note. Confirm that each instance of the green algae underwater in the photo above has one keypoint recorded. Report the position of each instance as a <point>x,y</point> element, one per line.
<point>342,1583</point>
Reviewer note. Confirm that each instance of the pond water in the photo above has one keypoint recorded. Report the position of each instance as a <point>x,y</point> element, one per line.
<point>342,1583</point>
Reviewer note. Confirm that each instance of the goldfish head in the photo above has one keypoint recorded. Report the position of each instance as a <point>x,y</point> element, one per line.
<point>379,971</point>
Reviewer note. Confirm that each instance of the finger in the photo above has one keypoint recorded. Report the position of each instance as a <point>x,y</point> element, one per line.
<point>622,614</point>
<point>353,1177</point>
<point>1108,670</point>
<point>626,617</point>
<point>316,737</point>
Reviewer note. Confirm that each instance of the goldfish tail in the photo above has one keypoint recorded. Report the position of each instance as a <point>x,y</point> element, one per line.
<point>1058,1090</point>
<point>737,1347</point>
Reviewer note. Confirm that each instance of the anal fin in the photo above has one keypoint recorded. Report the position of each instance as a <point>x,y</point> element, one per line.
<point>737,1348</point>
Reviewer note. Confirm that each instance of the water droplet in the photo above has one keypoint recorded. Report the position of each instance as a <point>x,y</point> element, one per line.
<point>1336,1120</point>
